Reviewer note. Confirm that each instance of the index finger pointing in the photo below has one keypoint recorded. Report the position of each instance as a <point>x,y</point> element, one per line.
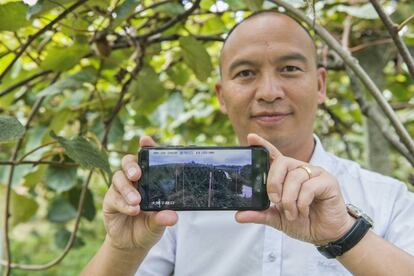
<point>147,141</point>
<point>254,139</point>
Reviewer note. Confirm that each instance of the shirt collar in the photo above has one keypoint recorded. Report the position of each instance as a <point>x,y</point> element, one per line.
<point>320,157</point>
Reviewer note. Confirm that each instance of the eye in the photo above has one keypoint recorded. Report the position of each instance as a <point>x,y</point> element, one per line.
<point>291,68</point>
<point>245,74</point>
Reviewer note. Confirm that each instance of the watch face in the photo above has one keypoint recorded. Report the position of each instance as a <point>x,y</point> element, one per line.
<point>356,213</point>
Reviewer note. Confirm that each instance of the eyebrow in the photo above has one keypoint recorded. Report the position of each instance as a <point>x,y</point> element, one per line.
<point>241,62</point>
<point>292,56</point>
<point>288,57</point>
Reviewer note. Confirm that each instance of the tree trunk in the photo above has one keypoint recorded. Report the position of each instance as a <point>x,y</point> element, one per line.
<point>377,152</point>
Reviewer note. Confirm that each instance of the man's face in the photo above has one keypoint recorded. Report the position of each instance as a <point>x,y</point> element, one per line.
<point>270,83</point>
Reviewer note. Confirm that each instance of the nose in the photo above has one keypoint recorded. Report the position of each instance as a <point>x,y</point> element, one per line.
<point>269,88</point>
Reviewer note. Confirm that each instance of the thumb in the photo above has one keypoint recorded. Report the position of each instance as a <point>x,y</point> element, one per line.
<point>157,221</point>
<point>250,217</point>
<point>147,141</point>
<point>270,216</point>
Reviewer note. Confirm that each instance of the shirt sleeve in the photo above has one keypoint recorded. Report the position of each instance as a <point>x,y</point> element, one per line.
<point>401,224</point>
<point>161,258</point>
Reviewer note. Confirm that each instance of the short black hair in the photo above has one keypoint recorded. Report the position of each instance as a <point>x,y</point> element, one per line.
<point>261,12</point>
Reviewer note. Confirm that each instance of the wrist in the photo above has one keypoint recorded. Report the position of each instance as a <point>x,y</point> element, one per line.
<point>349,223</point>
<point>351,237</point>
<point>112,260</point>
<point>358,250</point>
<point>112,246</point>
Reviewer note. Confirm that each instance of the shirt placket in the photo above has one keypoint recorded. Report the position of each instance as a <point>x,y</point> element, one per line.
<point>272,252</point>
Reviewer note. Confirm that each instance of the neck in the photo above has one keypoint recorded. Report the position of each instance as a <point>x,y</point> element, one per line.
<point>303,152</point>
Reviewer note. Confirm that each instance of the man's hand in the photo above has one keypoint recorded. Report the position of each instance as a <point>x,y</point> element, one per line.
<point>127,226</point>
<point>306,207</point>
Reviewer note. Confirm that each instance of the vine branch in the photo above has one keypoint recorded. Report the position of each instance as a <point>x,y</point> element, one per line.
<point>370,112</point>
<point>36,149</point>
<point>405,22</point>
<point>39,162</point>
<point>8,255</point>
<point>359,71</point>
<point>393,31</point>
<point>173,21</point>
<point>108,124</point>
<point>33,112</point>
<point>40,32</point>
<point>121,44</point>
<point>339,125</point>
<point>23,82</point>
<point>71,240</point>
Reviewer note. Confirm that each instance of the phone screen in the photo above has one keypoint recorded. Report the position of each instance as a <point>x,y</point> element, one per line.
<point>203,178</point>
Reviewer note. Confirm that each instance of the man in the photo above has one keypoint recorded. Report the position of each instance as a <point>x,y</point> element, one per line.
<point>270,88</point>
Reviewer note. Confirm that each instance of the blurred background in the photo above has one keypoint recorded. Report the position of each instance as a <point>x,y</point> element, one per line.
<point>81,81</point>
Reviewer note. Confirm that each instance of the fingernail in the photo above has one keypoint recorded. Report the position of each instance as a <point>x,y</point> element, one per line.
<point>288,215</point>
<point>131,197</point>
<point>131,171</point>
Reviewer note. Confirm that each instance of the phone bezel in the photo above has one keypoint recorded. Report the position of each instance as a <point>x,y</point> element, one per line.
<point>143,160</point>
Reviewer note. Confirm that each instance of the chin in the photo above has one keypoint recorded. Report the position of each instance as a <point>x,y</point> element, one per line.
<point>278,140</point>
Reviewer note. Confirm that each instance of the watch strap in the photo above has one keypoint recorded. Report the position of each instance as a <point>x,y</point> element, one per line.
<point>346,242</point>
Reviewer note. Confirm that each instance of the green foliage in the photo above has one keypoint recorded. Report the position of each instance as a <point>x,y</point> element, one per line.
<point>72,82</point>
<point>60,178</point>
<point>126,8</point>
<point>10,128</point>
<point>170,9</point>
<point>43,6</point>
<point>85,153</point>
<point>63,58</point>
<point>89,210</point>
<point>196,57</point>
<point>22,207</point>
<point>89,90</point>
<point>61,211</point>
<point>62,237</point>
<point>237,4</point>
<point>254,5</point>
<point>366,11</point>
<point>147,89</point>
<point>13,16</point>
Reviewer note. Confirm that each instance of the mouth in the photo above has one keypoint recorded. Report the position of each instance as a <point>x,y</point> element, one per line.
<point>270,117</point>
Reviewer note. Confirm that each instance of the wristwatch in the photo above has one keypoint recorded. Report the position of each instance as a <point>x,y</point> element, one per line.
<point>351,238</point>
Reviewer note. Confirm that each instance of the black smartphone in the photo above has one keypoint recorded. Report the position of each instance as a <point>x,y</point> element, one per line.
<point>203,178</point>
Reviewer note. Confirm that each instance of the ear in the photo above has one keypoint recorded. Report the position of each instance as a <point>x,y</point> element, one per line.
<point>321,71</point>
<point>219,93</point>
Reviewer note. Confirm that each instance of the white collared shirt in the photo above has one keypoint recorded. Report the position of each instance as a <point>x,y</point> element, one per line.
<point>214,244</point>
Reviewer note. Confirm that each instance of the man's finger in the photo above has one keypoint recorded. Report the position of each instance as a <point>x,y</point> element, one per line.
<point>166,218</point>
<point>115,203</point>
<point>276,177</point>
<point>130,167</point>
<point>270,216</point>
<point>156,222</point>
<point>251,217</point>
<point>147,141</point>
<point>254,139</point>
<point>314,188</point>
<point>125,188</point>
<point>291,187</point>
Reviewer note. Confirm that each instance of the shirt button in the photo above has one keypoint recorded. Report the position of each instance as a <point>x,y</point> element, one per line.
<point>271,257</point>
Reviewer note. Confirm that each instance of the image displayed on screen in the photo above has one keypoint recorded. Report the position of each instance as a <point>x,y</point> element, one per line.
<point>200,178</point>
